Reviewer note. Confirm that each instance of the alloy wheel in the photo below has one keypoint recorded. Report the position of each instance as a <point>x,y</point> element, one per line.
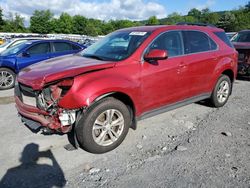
<point>223,91</point>
<point>108,127</point>
<point>6,79</point>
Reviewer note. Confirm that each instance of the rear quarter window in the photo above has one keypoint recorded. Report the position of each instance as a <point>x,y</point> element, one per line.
<point>75,47</point>
<point>222,35</point>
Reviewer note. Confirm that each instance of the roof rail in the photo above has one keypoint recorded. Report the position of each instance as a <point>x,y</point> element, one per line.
<point>197,24</point>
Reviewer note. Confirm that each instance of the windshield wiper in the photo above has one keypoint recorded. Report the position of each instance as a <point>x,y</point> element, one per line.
<point>94,57</point>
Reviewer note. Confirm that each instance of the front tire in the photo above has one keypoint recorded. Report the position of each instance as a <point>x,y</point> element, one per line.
<point>7,78</point>
<point>104,126</point>
<point>221,91</point>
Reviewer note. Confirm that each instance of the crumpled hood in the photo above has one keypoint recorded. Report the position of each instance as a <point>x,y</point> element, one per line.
<point>38,75</point>
<point>242,45</point>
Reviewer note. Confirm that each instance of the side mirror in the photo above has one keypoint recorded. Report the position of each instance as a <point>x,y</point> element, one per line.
<point>25,54</point>
<point>154,55</point>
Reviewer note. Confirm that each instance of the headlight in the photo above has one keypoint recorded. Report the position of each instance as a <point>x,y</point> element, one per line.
<point>65,85</point>
<point>50,95</point>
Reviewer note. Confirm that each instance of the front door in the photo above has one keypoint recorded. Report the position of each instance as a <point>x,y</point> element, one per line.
<point>162,81</point>
<point>36,53</point>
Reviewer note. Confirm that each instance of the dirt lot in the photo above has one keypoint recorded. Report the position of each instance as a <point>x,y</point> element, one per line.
<point>193,146</point>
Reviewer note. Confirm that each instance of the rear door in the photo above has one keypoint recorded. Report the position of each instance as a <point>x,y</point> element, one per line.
<point>162,80</point>
<point>64,48</point>
<point>34,54</point>
<point>200,61</point>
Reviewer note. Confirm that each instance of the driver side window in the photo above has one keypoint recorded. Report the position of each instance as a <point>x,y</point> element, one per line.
<point>39,49</point>
<point>170,41</point>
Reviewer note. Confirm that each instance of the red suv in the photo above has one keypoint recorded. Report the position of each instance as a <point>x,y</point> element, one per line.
<point>129,75</point>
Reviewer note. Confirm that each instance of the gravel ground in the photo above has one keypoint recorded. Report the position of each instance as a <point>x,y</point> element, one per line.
<point>193,146</point>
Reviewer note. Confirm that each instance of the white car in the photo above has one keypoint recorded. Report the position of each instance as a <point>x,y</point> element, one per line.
<point>16,41</point>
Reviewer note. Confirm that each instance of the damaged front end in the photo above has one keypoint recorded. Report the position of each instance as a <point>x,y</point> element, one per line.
<point>40,110</point>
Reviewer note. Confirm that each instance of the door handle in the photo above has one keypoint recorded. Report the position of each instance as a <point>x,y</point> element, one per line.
<point>182,65</point>
<point>215,58</point>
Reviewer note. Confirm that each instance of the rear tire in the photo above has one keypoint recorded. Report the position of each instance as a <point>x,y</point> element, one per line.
<point>221,92</point>
<point>104,126</point>
<point>7,78</point>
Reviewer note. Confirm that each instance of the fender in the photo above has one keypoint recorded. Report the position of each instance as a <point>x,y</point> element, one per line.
<point>9,62</point>
<point>226,63</point>
<point>87,88</point>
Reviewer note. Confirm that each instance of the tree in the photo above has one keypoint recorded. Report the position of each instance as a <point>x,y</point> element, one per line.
<point>247,6</point>
<point>242,20</point>
<point>93,27</point>
<point>190,19</point>
<point>79,24</point>
<point>14,24</point>
<point>211,18</point>
<point>195,13</point>
<point>107,27</point>
<point>174,18</point>
<point>153,21</point>
<point>64,24</point>
<point>227,21</point>
<point>2,22</point>
<point>40,21</point>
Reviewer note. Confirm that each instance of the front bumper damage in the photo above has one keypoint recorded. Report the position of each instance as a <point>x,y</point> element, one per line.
<point>47,120</point>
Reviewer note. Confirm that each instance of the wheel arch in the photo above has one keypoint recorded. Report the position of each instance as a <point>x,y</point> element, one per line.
<point>6,67</point>
<point>124,98</point>
<point>230,74</point>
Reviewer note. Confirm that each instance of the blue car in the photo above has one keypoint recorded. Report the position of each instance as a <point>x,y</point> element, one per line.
<point>24,54</point>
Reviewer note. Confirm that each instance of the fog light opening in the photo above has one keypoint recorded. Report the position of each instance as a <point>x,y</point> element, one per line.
<point>67,117</point>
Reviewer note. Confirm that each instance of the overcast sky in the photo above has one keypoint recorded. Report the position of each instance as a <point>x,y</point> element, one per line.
<point>116,9</point>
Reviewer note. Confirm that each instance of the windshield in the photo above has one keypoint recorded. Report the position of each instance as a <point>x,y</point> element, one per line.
<point>116,46</point>
<point>13,50</point>
<point>241,37</point>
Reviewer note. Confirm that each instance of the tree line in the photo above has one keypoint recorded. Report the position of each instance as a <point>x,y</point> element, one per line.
<point>44,22</point>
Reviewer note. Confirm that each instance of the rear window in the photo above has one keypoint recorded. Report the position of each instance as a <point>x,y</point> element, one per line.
<point>224,38</point>
<point>242,37</point>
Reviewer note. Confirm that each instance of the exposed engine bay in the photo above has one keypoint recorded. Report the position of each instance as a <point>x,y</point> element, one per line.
<point>54,118</point>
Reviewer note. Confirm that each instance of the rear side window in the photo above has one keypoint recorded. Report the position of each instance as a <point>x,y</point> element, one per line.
<point>224,38</point>
<point>38,49</point>
<point>196,41</point>
<point>62,46</point>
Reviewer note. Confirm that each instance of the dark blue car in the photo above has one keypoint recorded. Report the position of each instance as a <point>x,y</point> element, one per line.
<point>24,54</point>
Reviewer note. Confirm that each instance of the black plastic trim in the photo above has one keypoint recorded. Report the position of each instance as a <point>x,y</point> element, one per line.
<point>173,106</point>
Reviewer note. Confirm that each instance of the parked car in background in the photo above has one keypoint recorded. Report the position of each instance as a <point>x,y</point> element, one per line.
<point>129,75</point>
<point>15,58</point>
<point>12,42</point>
<point>241,42</point>
<point>230,35</point>
<point>87,42</point>
<point>2,41</point>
